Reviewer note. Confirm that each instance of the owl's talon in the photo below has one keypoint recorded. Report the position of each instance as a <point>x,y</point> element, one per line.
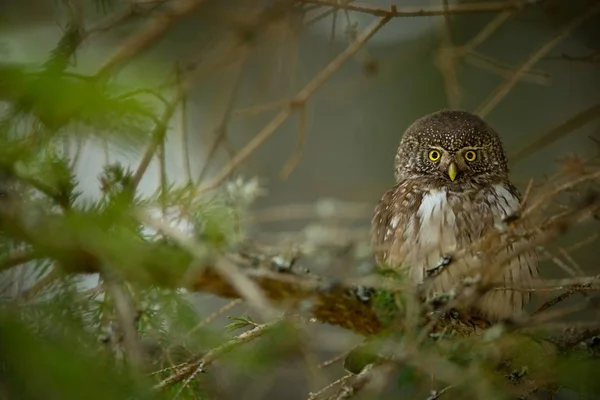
<point>445,261</point>
<point>363,293</point>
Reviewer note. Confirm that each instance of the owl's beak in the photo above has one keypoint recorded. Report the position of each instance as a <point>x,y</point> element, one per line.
<point>452,171</point>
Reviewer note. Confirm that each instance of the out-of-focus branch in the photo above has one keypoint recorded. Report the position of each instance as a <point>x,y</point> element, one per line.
<point>446,61</point>
<point>298,101</point>
<point>487,63</point>
<point>190,369</point>
<point>140,41</point>
<point>569,126</point>
<point>395,12</point>
<point>17,257</point>
<point>158,137</point>
<point>126,314</point>
<point>496,97</point>
<point>488,30</point>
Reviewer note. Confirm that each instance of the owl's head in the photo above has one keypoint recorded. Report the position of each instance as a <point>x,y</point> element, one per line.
<point>450,146</point>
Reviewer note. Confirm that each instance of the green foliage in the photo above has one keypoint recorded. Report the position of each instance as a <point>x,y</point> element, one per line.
<point>239,323</point>
<point>58,101</point>
<point>58,367</point>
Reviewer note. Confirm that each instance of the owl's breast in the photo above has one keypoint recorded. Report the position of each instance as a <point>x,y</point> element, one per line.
<point>446,222</point>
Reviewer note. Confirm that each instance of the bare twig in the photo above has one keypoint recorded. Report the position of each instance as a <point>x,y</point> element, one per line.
<point>436,394</point>
<point>194,367</point>
<point>210,318</point>
<point>117,18</point>
<point>554,301</point>
<point>221,130</point>
<point>569,126</point>
<point>395,12</point>
<point>185,139</point>
<point>501,92</point>
<point>487,63</point>
<point>315,395</point>
<point>155,29</point>
<point>446,62</point>
<point>291,163</point>
<point>40,284</point>
<point>158,137</point>
<point>525,198</point>
<point>16,258</point>
<point>262,108</point>
<point>127,318</point>
<point>298,100</point>
<point>163,179</point>
<point>584,282</point>
<point>487,30</point>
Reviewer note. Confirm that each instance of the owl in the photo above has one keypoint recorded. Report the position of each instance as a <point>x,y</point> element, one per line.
<point>452,188</point>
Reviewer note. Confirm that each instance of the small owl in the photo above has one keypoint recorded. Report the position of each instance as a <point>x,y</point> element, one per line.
<point>452,188</point>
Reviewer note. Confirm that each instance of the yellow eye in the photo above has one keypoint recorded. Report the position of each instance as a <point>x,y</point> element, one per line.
<point>470,155</point>
<point>434,155</point>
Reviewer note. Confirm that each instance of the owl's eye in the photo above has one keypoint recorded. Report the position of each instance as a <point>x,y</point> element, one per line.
<point>434,155</point>
<point>470,155</point>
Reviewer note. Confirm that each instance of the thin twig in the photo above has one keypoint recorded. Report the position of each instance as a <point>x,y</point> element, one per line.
<point>158,137</point>
<point>490,103</point>
<point>16,258</point>
<point>154,31</point>
<point>199,366</point>
<point>527,194</point>
<point>315,395</point>
<point>395,12</point>
<point>210,319</point>
<point>446,62</point>
<point>487,63</point>
<point>221,130</point>
<point>436,394</point>
<point>262,108</point>
<point>291,163</point>
<point>554,301</point>
<point>571,125</point>
<point>163,180</point>
<point>185,139</point>
<point>127,318</point>
<point>298,100</point>
<point>487,30</point>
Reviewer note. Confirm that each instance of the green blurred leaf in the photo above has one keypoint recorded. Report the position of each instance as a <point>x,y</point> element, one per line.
<point>58,367</point>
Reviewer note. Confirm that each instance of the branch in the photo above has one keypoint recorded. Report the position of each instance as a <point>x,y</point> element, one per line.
<point>298,101</point>
<point>395,12</point>
<point>144,39</point>
<point>190,369</point>
<point>158,137</point>
<point>572,124</point>
<point>501,92</point>
<point>17,257</point>
<point>487,63</point>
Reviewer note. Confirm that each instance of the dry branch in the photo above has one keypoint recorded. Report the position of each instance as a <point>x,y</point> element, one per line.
<point>298,101</point>
<point>496,97</point>
<point>395,12</point>
<point>190,369</point>
<point>153,32</point>
<point>569,126</point>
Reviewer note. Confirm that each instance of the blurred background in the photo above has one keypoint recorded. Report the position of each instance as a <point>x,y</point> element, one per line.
<point>334,155</point>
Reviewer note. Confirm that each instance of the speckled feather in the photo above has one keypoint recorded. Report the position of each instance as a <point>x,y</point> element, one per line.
<point>426,216</point>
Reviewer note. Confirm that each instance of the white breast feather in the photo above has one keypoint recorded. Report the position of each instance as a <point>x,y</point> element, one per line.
<point>434,213</point>
<point>433,237</point>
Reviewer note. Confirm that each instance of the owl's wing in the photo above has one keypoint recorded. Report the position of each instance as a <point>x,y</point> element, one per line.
<point>388,225</point>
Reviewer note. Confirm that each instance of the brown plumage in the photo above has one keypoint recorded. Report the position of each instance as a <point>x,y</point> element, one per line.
<point>452,188</point>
